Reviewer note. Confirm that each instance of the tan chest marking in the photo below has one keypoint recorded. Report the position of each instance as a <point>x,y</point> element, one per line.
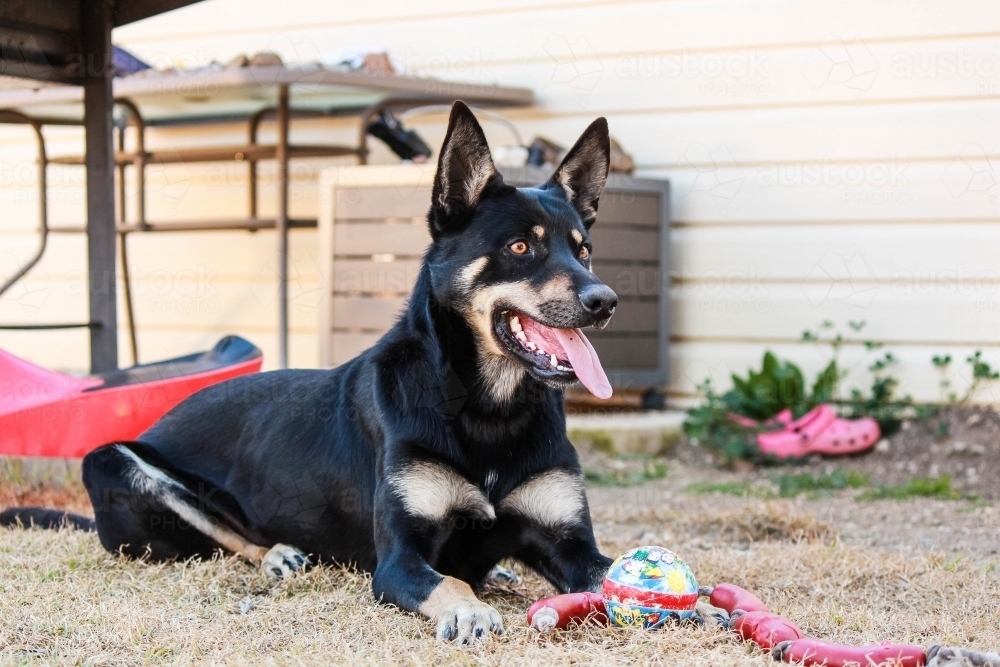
<point>433,491</point>
<point>554,499</point>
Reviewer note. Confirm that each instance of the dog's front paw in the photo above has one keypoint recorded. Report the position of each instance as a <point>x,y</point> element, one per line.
<point>711,617</point>
<point>502,576</point>
<point>282,561</point>
<point>468,621</point>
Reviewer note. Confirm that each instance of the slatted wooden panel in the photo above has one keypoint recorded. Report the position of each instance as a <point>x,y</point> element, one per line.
<point>376,230</point>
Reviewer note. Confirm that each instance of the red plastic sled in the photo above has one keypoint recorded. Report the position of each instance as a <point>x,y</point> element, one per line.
<point>44,413</point>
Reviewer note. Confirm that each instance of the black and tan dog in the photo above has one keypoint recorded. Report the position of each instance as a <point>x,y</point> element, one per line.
<point>429,458</point>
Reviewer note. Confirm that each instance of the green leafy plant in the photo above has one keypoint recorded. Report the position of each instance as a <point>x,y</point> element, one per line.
<point>710,425</point>
<point>742,489</point>
<point>917,487</point>
<point>941,362</point>
<point>790,486</point>
<point>761,395</point>
<point>649,469</point>
<point>780,385</point>
<point>981,372</point>
<point>785,486</point>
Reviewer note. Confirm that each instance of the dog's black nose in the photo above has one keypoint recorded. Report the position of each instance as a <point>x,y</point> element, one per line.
<point>599,301</point>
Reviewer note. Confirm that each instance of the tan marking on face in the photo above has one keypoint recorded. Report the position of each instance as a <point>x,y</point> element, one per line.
<point>539,231</point>
<point>520,296</point>
<point>432,491</point>
<point>449,592</point>
<point>503,373</point>
<point>470,272</point>
<point>577,236</point>
<point>553,499</point>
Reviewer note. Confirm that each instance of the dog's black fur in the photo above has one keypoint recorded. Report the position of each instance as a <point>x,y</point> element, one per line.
<point>430,457</point>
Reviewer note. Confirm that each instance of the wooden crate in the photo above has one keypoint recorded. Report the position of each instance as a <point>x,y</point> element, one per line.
<point>373,232</point>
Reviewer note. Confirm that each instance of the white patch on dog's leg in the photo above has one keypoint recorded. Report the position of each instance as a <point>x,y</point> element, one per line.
<point>503,576</point>
<point>461,617</point>
<point>149,479</point>
<point>711,616</point>
<point>577,236</point>
<point>282,561</point>
<point>553,499</point>
<point>432,491</point>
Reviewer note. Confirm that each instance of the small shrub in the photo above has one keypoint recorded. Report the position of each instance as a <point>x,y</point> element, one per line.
<point>917,487</point>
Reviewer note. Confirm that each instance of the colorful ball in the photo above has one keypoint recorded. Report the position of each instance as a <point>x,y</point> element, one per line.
<point>646,586</point>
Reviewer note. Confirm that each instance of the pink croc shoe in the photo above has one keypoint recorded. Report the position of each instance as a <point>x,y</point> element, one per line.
<point>846,436</point>
<point>820,431</point>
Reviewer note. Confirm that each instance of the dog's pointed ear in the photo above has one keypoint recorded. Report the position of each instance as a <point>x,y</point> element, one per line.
<point>584,170</point>
<point>465,169</point>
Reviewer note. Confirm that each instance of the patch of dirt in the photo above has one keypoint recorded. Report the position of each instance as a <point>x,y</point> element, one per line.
<point>961,443</point>
<point>70,496</point>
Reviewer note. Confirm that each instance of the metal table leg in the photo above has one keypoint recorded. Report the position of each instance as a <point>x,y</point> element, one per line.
<point>43,208</point>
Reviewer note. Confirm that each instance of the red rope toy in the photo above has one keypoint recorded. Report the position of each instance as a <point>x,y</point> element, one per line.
<point>753,621</point>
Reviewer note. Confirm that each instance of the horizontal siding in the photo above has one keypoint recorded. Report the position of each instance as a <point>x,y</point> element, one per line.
<point>940,253</point>
<point>803,190</point>
<point>762,311</point>
<point>608,28</point>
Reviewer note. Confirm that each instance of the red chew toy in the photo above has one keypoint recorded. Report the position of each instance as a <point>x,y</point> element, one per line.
<point>559,611</point>
<point>814,652</point>
<point>766,629</point>
<point>731,597</point>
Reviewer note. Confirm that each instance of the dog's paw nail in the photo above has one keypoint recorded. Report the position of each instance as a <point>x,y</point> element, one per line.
<point>446,629</point>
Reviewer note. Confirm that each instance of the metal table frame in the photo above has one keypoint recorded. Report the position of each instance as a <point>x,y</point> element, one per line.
<point>396,93</point>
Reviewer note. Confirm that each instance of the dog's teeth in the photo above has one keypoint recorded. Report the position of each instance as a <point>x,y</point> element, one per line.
<point>515,325</point>
<point>554,360</point>
<point>520,336</point>
<point>530,345</point>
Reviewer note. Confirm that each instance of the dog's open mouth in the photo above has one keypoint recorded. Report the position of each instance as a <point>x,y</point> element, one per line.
<point>551,353</point>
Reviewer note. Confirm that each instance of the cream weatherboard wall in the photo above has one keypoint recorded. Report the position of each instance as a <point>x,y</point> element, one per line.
<point>830,160</point>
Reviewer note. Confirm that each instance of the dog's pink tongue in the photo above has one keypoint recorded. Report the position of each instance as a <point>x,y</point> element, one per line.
<point>581,354</point>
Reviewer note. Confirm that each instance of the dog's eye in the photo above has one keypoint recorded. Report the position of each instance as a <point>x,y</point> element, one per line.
<point>518,247</point>
<point>584,252</point>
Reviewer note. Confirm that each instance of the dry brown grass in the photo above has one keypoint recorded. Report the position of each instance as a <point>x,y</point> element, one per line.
<point>63,600</point>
